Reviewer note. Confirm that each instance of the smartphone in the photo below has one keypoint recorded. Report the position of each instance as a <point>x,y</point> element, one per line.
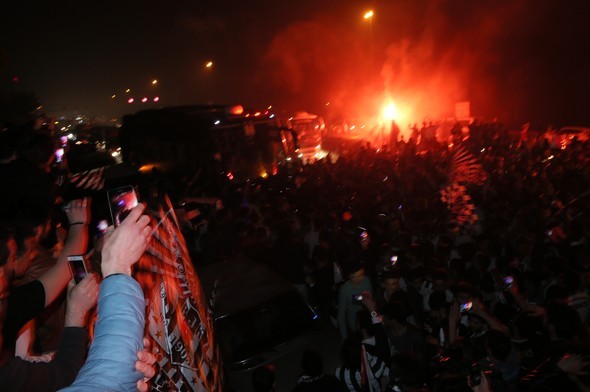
<point>508,281</point>
<point>364,235</point>
<point>393,260</point>
<point>466,307</point>
<point>121,201</point>
<point>59,155</point>
<point>357,298</point>
<point>78,267</point>
<point>102,226</point>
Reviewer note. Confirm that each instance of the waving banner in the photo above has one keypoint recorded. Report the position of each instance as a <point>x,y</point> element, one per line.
<point>178,317</point>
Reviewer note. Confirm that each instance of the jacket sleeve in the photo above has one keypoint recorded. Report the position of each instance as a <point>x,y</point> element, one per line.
<point>117,339</point>
<point>20,375</point>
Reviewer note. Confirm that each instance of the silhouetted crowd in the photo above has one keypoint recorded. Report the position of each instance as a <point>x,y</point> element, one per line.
<point>498,301</point>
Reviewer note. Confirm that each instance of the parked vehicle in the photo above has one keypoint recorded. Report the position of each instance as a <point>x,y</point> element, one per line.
<point>261,318</point>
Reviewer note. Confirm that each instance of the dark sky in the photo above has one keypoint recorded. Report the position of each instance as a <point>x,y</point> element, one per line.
<point>519,60</point>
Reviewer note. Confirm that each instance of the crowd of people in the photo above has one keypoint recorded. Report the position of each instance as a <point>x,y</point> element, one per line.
<point>423,298</point>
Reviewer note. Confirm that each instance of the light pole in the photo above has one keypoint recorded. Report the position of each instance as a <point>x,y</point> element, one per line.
<point>368,16</point>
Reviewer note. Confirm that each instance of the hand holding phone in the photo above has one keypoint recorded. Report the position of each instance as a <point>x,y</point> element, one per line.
<point>357,298</point>
<point>465,307</point>
<point>77,267</point>
<point>121,201</point>
<point>508,282</point>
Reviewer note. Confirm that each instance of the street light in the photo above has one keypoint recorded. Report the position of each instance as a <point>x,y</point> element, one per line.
<point>155,81</point>
<point>209,64</point>
<point>369,16</point>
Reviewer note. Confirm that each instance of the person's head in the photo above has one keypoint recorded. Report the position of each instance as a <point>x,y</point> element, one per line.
<point>390,282</point>
<point>312,363</point>
<point>356,273</point>
<point>439,279</point>
<point>396,312</point>
<point>364,323</point>
<point>350,353</point>
<point>28,227</point>
<point>463,291</point>
<point>39,150</point>
<point>439,308</point>
<point>416,278</point>
<point>476,324</point>
<point>498,345</point>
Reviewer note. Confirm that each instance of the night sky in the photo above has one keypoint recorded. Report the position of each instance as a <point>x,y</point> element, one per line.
<point>517,61</point>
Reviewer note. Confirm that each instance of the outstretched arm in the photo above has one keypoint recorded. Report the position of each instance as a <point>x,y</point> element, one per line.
<point>56,279</point>
<point>121,312</point>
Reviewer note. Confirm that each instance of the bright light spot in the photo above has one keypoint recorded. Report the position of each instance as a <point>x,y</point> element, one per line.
<point>256,114</point>
<point>128,90</point>
<point>156,99</point>
<point>369,14</point>
<point>352,127</point>
<point>551,157</point>
<point>144,99</point>
<point>115,153</point>
<point>130,100</point>
<point>236,110</point>
<point>57,122</point>
<point>270,107</point>
<point>155,81</point>
<point>483,150</point>
<point>300,156</point>
<point>230,176</point>
<point>390,112</point>
<point>217,122</point>
<point>39,107</point>
<point>70,136</point>
<point>271,116</point>
<point>327,103</point>
<point>209,64</point>
<point>263,174</point>
<point>113,96</point>
<point>318,147</point>
<point>149,167</point>
<point>63,128</point>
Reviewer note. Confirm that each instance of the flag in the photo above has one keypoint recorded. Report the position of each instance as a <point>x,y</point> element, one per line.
<point>465,168</point>
<point>179,321</point>
<point>89,179</point>
<point>459,203</point>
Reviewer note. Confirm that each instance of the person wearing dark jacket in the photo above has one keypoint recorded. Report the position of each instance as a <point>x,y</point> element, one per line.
<point>313,378</point>
<point>17,374</point>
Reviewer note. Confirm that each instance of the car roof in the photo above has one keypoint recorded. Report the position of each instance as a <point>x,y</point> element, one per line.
<point>241,285</point>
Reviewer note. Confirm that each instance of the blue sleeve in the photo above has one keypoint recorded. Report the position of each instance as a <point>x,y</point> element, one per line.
<point>117,338</point>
